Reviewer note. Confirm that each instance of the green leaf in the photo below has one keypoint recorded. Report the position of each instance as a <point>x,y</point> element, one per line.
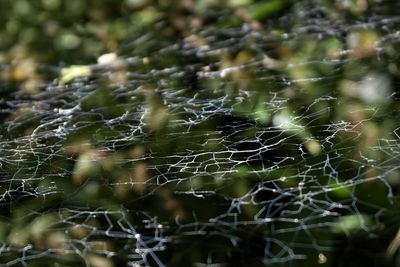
<point>74,71</point>
<point>350,223</point>
<point>262,10</point>
<point>341,190</point>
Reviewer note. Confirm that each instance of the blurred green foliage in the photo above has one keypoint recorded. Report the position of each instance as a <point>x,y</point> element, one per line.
<point>323,80</point>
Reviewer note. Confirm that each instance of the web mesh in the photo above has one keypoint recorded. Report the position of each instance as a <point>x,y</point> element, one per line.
<point>225,146</point>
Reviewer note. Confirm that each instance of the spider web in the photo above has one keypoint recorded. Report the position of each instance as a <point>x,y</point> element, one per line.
<point>224,147</point>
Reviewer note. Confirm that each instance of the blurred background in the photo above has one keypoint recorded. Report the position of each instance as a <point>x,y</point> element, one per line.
<point>199,133</point>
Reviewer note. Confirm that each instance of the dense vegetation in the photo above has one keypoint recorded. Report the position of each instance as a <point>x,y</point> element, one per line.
<point>187,133</point>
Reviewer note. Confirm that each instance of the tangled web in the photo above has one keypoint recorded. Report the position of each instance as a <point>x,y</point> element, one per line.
<point>257,144</point>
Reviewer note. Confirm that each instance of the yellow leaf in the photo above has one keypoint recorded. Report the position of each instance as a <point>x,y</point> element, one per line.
<point>74,71</point>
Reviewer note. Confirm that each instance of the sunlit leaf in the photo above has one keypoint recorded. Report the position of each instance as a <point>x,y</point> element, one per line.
<point>74,71</point>
<point>350,223</point>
